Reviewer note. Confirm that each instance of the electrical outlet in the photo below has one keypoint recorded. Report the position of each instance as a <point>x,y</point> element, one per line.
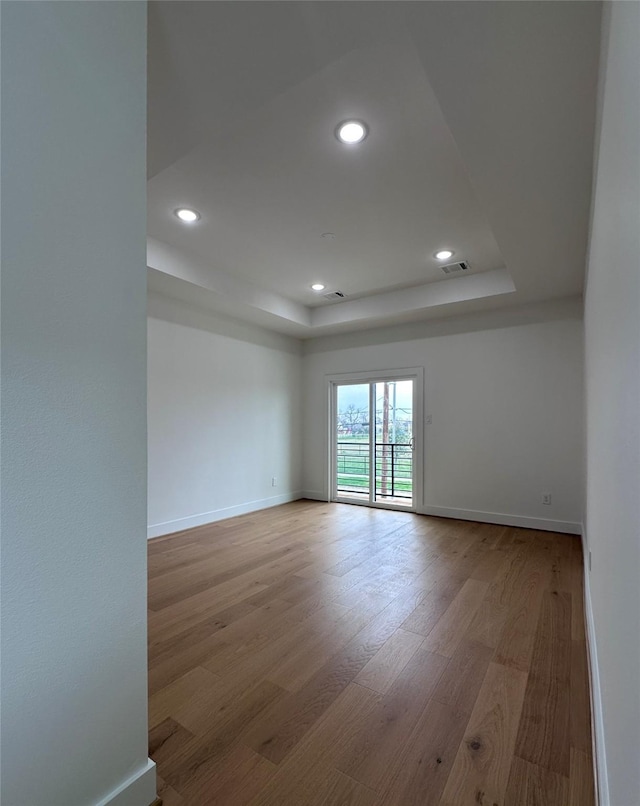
<point>274,481</point>
<point>428,419</point>
<point>546,499</point>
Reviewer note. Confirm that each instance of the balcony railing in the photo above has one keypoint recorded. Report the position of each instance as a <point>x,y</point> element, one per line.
<point>393,469</point>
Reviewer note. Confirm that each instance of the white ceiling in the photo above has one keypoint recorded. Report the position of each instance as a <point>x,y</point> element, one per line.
<point>481,121</point>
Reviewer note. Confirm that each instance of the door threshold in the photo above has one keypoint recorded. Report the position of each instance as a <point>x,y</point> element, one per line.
<point>375,504</point>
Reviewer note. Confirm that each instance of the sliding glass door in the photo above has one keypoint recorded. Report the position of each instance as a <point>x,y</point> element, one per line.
<point>374,442</point>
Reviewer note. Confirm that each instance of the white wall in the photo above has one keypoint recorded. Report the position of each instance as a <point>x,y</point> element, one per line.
<point>224,417</point>
<point>74,687</point>
<point>612,342</point>
<point>505,401</point>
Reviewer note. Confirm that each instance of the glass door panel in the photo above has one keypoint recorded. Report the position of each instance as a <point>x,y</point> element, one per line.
<point>393,442</point>
<point>353,448</point>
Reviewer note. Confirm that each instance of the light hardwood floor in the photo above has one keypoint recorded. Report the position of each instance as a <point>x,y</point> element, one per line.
<point>333,654</point>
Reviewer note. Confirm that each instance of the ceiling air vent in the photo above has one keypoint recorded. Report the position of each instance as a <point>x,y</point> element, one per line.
<point>455,268</point>
<point>335,295</point>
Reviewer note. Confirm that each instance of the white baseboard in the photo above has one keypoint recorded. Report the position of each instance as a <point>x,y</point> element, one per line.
<point>139,790</point>
<point>597,718</point>
<point>160,529</point>
<point>315,495</point>
<point>523,521</point>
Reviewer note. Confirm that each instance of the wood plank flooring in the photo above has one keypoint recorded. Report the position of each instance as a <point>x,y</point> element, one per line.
<point>322,654</point>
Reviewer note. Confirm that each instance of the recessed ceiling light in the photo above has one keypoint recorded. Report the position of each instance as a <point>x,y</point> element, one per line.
<point>317,287</point>
<point>444,254</point>
<point>187,215</point>
<point>351,132</point>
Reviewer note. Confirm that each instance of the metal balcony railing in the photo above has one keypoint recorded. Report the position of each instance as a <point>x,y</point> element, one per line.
<point>393,469</point>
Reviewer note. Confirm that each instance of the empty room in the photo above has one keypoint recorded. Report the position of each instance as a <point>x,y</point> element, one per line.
<point>320,403</point>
